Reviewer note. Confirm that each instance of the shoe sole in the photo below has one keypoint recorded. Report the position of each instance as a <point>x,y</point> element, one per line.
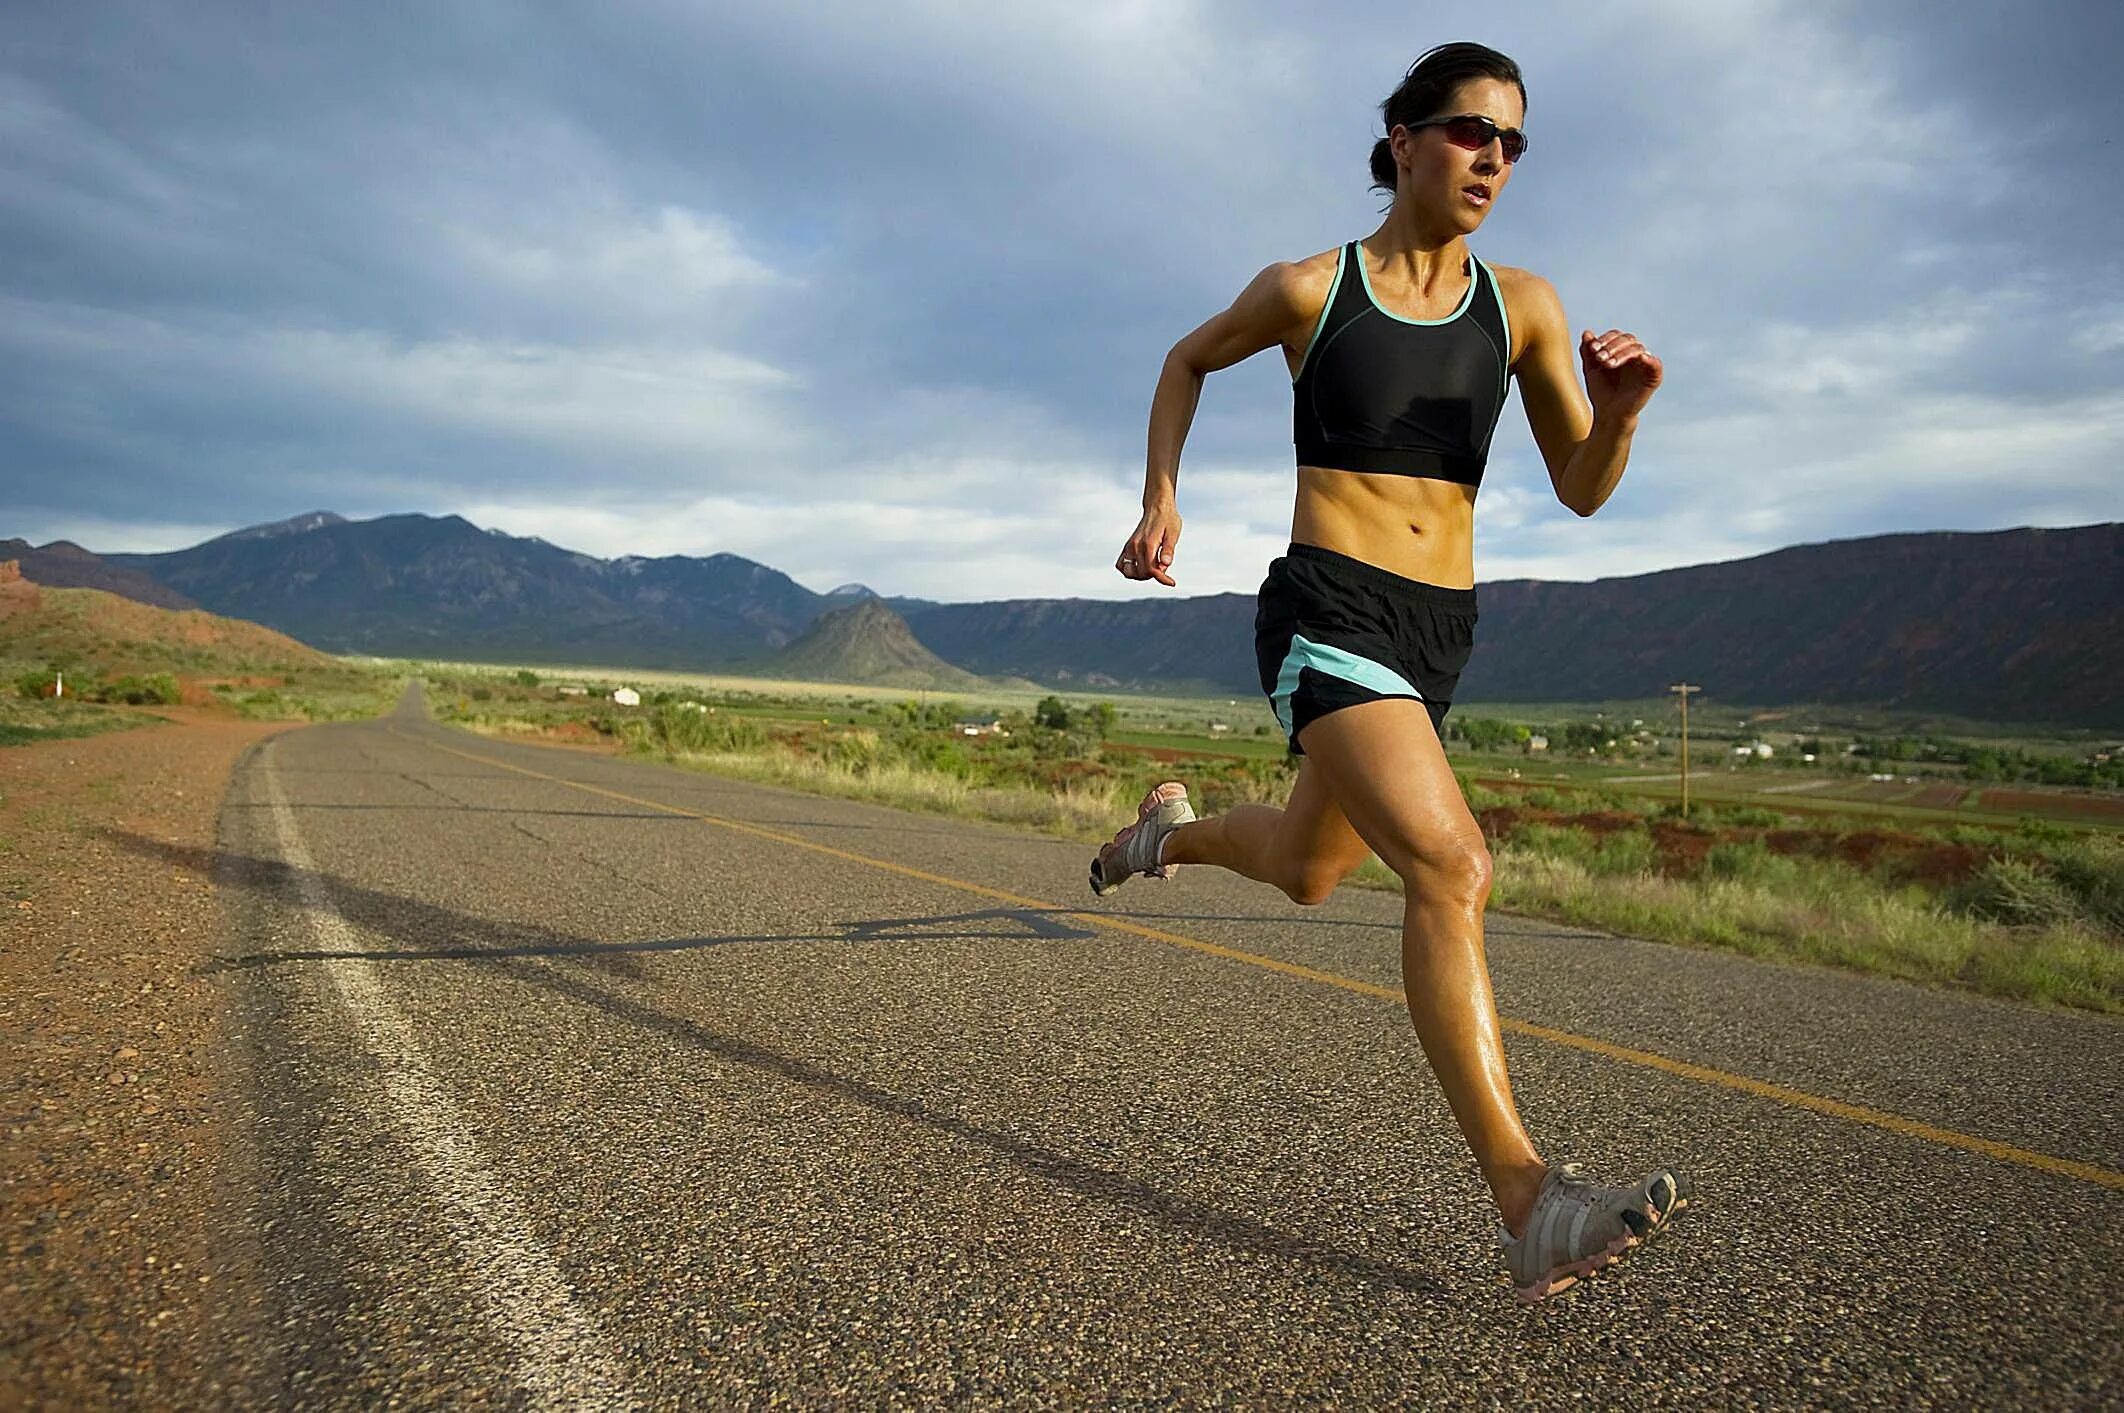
<point>1566,1277</point>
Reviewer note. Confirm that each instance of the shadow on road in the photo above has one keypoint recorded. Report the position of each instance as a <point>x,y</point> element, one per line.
<point>516,947</point>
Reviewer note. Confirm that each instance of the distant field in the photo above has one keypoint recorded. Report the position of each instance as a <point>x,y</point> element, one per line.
<point>1173,728</point>
<point>1791,792</point>
<point>1921,877</point>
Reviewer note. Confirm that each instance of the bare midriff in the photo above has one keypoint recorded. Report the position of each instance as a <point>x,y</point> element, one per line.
<point>1406,525</point>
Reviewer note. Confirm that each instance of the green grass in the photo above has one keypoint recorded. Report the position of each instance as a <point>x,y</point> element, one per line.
<point>337,693</point>
<point>23,721</point>
<point>1805,910</point>
<point>2043,921</point>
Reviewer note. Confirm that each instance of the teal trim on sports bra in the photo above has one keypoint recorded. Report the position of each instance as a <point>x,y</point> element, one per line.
<point>1465,300</point>
<point>1319,323</point>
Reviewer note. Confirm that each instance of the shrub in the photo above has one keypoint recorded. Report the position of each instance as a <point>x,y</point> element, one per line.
<point>157,690</point>
<point>2092,871</point>
<point>857,752</point>
<point>1745,858</point>
<point>2017,891</point>
<point>678,728</point>
<point>1626,851</point>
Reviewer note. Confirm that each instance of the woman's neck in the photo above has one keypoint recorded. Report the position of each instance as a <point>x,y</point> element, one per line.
<point>1426,255</point>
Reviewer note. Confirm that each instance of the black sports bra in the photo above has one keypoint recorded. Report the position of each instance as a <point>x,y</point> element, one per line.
<point>1402,397</point>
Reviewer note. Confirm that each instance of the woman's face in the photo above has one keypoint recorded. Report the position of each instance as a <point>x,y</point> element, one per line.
<point>1450,181</point>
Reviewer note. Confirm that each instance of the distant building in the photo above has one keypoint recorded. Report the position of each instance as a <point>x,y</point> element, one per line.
<point>575,691</point>
<point>979,726</point>
<point>1537,743</point>
<point>1218,728</point>
<point>626,696</point>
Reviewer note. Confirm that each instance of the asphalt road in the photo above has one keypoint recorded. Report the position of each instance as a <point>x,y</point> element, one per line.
<point>584,1082</point>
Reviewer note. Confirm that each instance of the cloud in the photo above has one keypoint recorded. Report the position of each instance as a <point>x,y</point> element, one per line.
<point>881,294</point>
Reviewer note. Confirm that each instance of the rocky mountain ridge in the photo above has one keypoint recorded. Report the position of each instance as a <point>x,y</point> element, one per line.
<point>2013,625</point>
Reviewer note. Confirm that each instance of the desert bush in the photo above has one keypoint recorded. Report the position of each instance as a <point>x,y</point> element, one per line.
<point>857,752</point>
<point>1625,851</point>
<point>158,689</point>
<point>1481,797</point>
<point>2018,891</point>
<point>2092,870</point>
<point>681,729</point>
<point>1751,861</point>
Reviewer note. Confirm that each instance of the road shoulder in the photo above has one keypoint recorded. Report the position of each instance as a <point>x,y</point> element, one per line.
<point>116,1087</point>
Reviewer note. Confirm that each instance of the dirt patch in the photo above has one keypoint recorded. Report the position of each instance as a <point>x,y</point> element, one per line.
<point>1682,847</point>
<point>2098,807</point>
<point>1912,857</point>
<point>1501,821</point>
<point>1606,822</point>
<point>578,733</point>
<point>1166,755</point>
<point>115,1090</point>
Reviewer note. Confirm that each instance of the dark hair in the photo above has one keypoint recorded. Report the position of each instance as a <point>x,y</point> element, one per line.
<point>1425,89</point>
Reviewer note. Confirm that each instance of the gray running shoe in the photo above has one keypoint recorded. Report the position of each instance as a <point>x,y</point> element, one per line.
<point>1578,1227</point>
<point>1135,849</point>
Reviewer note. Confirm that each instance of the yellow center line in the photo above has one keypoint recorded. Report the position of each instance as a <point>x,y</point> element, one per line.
<point>1776,1093</point>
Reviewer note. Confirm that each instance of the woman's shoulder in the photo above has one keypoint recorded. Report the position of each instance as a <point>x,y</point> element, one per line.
<point>1303,284</point>
<point>1306,272</point>
<point>1523,288</point>
<point>1530,303</point>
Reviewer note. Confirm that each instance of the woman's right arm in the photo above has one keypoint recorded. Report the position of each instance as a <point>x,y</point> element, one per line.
<point>1272,310</point>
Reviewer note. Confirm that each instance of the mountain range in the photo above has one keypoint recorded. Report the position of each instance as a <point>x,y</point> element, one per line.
<point>2012,625</point>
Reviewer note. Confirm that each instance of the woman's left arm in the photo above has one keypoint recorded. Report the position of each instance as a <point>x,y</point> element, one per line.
<point>1585,449</point>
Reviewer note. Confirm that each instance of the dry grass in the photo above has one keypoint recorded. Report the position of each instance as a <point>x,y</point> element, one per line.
<point>1746,900</point>
<point>1084,810</point>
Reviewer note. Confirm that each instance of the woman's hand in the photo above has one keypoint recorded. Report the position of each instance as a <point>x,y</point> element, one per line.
<point>1149,550</point>
<point>1621,374</point>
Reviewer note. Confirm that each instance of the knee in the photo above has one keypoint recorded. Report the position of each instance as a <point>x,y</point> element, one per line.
<point>1458,868</point>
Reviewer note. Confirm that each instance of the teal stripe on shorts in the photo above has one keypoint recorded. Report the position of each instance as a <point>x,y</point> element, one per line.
<point>1335,663</point>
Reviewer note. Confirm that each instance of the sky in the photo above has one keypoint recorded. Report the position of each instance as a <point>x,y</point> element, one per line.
<point>879,293</point>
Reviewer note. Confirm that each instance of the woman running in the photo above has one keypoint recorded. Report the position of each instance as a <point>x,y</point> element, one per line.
<point>1399,347</point>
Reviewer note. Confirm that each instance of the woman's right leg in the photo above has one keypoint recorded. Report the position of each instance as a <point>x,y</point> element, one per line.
<point>1305,848</point>
<point>1389,779</point>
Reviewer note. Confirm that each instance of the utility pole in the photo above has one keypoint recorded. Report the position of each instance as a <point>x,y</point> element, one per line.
<point>1684,689</point>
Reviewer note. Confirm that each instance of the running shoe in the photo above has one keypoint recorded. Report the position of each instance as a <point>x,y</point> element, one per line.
<point>1578,1228</point>
<point>1135,849</point>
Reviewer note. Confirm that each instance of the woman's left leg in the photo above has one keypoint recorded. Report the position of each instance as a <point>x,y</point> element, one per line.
<point>1305,848</point>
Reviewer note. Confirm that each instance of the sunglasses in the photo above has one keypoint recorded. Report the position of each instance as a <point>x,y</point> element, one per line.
<point>1475,132</point>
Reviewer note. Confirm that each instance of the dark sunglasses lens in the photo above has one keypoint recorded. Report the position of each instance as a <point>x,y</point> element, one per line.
<point>1475,133</point>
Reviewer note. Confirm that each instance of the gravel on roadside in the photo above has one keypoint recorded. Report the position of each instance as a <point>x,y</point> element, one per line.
<point>114,1080</point>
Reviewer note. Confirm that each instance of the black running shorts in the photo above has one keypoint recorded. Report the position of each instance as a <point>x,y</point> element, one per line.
<point>1332,632</point>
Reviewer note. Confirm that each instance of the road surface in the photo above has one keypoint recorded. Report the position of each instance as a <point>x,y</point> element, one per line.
<point>578,1081</point>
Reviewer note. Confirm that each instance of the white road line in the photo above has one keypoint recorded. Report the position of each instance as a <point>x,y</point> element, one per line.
<point>564,1361</point>
<point>1796,789</point>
